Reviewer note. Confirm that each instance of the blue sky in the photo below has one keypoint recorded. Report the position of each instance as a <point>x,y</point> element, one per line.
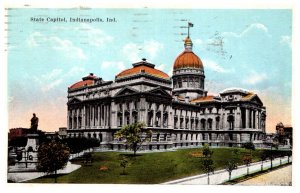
<point>244,48</point>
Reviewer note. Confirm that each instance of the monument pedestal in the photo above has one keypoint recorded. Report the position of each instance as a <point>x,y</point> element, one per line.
<point>32,142</point>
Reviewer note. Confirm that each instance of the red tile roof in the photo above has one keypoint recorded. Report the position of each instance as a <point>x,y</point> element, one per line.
<point>82,84</point>
<point>203,99</point>
<point>143,69</point>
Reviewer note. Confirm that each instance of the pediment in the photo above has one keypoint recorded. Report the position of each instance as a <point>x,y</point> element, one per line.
<point>126,91</point>
<point>256,99</point>
<point>74,101</point>
<point>159,91</point>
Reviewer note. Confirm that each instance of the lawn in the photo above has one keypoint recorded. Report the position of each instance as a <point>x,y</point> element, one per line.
<point>145,168</point>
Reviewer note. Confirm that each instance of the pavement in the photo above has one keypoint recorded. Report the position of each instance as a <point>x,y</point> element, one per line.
<point>282,177</point>
<point>24,176</point>
<point>221,176</point>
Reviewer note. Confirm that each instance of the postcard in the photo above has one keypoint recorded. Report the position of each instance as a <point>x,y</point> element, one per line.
<point>149,95</point>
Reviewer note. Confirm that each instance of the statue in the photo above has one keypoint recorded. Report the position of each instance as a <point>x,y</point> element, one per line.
<point>34,123</point>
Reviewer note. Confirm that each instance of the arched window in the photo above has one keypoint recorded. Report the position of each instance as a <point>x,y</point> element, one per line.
<point>217,123</point>
<point>175,122</point>
<point>165,121</point>
<point>203,124</point>
<point>150,118</point>
<point>209,121</point>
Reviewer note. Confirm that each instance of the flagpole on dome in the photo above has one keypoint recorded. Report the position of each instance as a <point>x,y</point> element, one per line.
<point>189,25</point>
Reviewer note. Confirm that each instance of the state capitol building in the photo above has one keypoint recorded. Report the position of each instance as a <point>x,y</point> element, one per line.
<point>177,109</point>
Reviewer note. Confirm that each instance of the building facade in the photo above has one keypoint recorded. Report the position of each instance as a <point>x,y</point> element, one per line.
<point>177,109</point>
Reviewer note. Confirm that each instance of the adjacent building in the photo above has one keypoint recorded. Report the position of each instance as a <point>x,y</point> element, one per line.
<point>284,134</point>
<point>177,109</point>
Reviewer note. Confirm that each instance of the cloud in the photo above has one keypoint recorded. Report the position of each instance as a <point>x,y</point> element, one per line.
<point>67,47</point>
<point>113,65</point>
<point>51,75</point>
<point>54,78</point>
<point>131,50</point>
<point>170,72</point>
<point>286,40</point>
<point>51,85</point>
<point>134,52</point>
<point>255,78</point>
<point>152,47</point>
<point>212,65</point>
<point>250,28</point>
<point>37,39</point>
<point>95,36</point>
<point>74,71</point>
<point>198,41</point>
<point>161,67</point>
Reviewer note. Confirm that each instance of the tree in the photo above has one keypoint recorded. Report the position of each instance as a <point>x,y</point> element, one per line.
<point>247,159</point>
<point>207,166</point>
<point>250,146</point>
<point>132,134</point>
<point>124,163</point>
<point>52,156</point>
<point>206,151</point>
<point>18,142</point>
<point>230,166</point>
<point>207,163</point>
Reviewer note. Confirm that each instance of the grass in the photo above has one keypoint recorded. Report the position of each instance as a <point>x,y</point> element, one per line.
<point>147,168</point>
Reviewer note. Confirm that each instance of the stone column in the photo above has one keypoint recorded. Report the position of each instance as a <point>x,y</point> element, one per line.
<point>114,111</point>
<point>178,120</point>
<point>93,115</point>
<point>253,119</point>
<point>171,113</point>
<point>161,116</point>
<point>104,114</point>
<point>130,113</point>
<point>72,116</point>
<point>190,122</point>
<point>144,111</point>
<point>257,120</point>
<point>97,115</point>
<point>123,114</point>
<point>225,122</point>
<point>237,118</point>
<point>86,116</point>
<point>77,118</point>
<point>68,120</point>
<point>108,115</point>
<point>184,115</point>
<point>247,117</point>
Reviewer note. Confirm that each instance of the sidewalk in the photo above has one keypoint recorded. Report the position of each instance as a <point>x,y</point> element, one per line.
<point>24,176</point>
<point>280,177</point>
<point>221,176</point>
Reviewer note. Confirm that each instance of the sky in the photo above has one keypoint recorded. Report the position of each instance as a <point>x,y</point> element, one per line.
<point>245,48</point>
